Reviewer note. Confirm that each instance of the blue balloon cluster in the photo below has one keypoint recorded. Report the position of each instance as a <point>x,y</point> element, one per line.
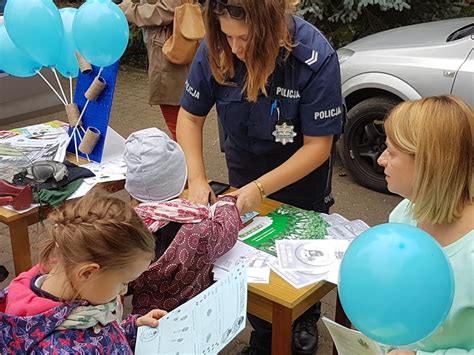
<point>37,34</point>
<point>396,284</point>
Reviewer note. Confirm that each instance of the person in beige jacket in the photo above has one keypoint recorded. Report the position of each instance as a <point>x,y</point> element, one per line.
<point>166,80</point>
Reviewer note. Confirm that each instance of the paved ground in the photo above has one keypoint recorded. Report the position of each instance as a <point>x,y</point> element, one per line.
<point>131,112</point>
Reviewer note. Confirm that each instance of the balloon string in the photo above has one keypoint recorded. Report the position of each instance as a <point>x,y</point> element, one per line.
<point>59,83</point>
<point>78,122</point>
<point>50,86</point>
<point>83,109</point>
<point>70,88</point>
<point>84,131</point>
<point>75,147</point>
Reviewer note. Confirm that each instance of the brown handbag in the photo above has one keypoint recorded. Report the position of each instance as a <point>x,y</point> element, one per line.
<point>188,31</point>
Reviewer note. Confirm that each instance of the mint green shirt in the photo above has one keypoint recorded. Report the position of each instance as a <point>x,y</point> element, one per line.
<point>456,334</point>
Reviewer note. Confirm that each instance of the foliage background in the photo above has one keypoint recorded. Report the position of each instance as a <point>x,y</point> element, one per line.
<point>342,21</point>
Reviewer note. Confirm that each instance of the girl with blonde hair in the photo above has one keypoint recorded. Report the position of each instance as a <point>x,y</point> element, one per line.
<point>429,161</point>
<point>68,303</point>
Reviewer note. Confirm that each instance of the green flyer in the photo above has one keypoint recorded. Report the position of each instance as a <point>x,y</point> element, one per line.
<point>286,222</point>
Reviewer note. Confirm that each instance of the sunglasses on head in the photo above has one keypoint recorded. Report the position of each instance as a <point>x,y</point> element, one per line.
<point>221,8</point>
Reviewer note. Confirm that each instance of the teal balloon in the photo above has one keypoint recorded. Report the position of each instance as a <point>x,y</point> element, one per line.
<point>13,60</point>
<point>396,284</point>
<point>67,63</point>
<point>35,27</point>
<point>100,32</point>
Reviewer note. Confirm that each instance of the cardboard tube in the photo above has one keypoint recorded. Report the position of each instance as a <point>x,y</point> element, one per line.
<point>89,140</point>
<point>73,114</point>
<point>96,88</point>
<point>84,66</point>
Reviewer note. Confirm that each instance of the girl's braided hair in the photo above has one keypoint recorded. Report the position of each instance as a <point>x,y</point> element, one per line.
<point>98,228</point>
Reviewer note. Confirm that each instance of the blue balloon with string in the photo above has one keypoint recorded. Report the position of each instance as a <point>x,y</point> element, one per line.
<point>101,32</point>
<point>13,60</point>
<point>396,284</point>
<point>67,63</point>
<point>35,27</point>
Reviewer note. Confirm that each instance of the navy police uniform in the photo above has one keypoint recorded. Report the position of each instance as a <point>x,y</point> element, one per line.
<point>307,88</point>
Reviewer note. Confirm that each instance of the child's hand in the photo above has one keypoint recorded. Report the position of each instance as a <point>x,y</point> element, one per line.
<point>151,318</point>
<point>401,352</point>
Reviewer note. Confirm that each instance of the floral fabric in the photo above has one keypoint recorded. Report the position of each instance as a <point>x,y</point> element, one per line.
<point>185,269</point>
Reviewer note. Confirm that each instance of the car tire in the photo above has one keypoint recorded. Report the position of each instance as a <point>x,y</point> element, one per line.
<point>364,140</point>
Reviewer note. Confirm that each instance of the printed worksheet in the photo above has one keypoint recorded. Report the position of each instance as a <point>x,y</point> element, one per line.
<point>204,324</point>
<point>306,255</point>
<point>352,342</point>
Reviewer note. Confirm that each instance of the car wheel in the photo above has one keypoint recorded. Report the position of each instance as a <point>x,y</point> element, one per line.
<point>364,140</point>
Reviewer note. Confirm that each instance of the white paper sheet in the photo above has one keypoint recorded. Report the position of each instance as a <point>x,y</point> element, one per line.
<point>203,325</point>
<point>256,261</point>
<point>295,278</point>
<point>352,342</point>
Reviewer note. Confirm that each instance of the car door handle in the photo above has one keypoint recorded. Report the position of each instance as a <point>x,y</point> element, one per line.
<point>449,73</point>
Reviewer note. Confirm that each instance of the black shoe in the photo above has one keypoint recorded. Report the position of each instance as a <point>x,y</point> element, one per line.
<point>305,335</point>
<point>255,350</point>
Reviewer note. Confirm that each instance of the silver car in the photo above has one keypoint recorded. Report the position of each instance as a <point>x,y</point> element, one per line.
<point>383,69</point>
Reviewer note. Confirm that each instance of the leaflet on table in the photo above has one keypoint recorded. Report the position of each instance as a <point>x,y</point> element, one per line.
<point>304,262</point>
<point>286,222</point>
<point>43,130</point>
<point>342,228</point>
<point>22,151</point>
<point>295,278</point>
<point>204,324</point>
<point>256,261</point>
<point>110,171</point>
<point>352,342</point>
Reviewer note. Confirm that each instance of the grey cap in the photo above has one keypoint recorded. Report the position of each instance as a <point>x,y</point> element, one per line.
<point>156,168</point>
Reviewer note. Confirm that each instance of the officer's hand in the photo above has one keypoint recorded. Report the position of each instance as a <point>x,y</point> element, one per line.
<point>248,198</point>
<point>201,192</point>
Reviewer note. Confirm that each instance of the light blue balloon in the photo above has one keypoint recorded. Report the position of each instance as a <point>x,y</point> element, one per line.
<point>396,284</point>
<point>67,63</point>
<point>100,32</point>
<point>13,60</point>
<point>35,27</point>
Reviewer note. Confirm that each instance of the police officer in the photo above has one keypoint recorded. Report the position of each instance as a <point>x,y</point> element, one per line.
<point>276,84</point>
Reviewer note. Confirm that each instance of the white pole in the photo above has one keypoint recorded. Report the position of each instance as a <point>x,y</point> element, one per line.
<point>59,83</point>
<point>51,87</point>
<point>70,88</point>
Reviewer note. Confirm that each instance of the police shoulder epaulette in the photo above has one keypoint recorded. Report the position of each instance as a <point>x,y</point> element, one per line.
<point>312,57</point>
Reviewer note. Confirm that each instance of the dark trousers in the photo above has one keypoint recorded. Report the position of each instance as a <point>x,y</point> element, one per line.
<point>313,192</point>
<point>261,337</point>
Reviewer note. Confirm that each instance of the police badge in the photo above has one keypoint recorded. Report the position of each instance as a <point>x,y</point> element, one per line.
<point>284,132</point>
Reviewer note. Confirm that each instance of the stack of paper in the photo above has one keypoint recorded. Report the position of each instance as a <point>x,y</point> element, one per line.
<point>304,262</point>
<point>256,262</point>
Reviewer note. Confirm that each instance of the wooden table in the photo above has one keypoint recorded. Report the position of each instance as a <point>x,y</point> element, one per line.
<point>18,227</point>
<point>280,303</point>
<point>277,302</point>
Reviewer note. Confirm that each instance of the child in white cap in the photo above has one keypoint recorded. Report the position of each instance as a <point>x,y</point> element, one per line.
<point>189,237</point>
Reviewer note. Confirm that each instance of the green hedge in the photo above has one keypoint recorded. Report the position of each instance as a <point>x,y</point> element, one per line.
<point>342,21</point>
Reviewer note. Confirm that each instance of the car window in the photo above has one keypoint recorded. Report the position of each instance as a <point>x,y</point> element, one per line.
<point>461,33</point>
<point>2,6</point>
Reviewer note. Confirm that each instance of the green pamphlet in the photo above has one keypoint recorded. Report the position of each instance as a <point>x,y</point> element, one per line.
<point>286,222</point>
